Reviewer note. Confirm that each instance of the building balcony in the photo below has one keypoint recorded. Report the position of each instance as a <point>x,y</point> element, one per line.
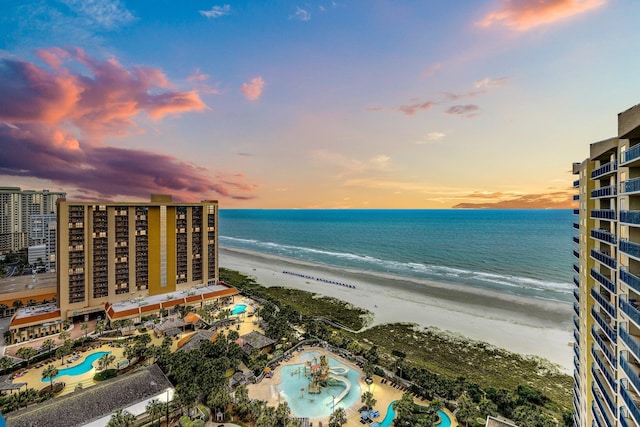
<point>576,337</point>
<point>631,371</point>
<point>631,311</point>
<point>632,342</point>
<point>576,350</point>
<point>576,211</point>
<point>576,309</point>
<point>630,279</point>
<point>576,197</point>
<point>607,191</point>
<point>603,236</point>
<point>631,399</point>
<point>605,169</point>
<point>603,388</point>
<point>603,280</point>
<point>630,217</point>
<point>606,214</point>
<point>630,155</point>
<point>604,258</point>
<point>600,340</point>
<point>576,323</point>
<point>576,281</point>
<point>576,183</point>
<point>601,413</point>
<point>576,268</point>
<point>630,248</point>
<point>576,254</point>
<point>576,294</point>
<point>624,421</point>
<point>630,186</point>
<point>604,325</point>
<point>604,368</point>
<point>605,304</point>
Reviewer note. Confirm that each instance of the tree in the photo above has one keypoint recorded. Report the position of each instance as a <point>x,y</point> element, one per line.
<point>84,327</point>
<point>3,309</point>
<point>218,400</point>
<point>467,410</point>
<point>26,353</point>
<point>50,372</point>
<point>48,344</point>
<point>368,400</point>
<point>100,327</point>
<point>5,363</point>
<point>106,360</point>
<point>64,335</point>
<point>338,417</point>
<point>404,410</point>
<point>121,419</point>
<point>17,304</point>
<point>283,412</point>
<point>155,409</point>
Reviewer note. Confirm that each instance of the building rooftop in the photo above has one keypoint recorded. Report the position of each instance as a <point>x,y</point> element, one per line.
<point>255,340</point>
<point>496,422</point>
<point>23,283</point>
<point>196,339</point>
<point>169,299</point>
<point>36,310</point>
<point>83,406</point>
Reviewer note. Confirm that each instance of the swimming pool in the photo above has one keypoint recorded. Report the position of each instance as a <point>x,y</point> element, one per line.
<point>320,405</point>
<point>239,308</point>
<point>82,368</point>
<point>445,421</point>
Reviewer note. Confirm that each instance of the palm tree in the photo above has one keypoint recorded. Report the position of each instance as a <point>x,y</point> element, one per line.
<point>338,417</point>
<point>17,304</point>
<point>64,335</point>
<point>3,309</point>
<point>50,372</point>
<point>155,408</point>
<point>26,353</point>
<point>283,412</point>
<point>121,419</point>
<point>5,363</point>
<point>84,327</point>
<point>106,360</point>
<point>48,344</point>
<point>368,400</point>
<point>100,327</point>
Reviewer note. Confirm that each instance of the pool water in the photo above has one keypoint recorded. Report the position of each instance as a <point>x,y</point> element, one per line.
<point>82,368</point>
<point>239,308</point>
<point>445,421</point>
<point>316,405</point>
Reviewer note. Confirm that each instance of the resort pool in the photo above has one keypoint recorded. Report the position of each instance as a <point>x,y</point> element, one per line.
<point>239,308</point>
<point>82,368</point>
<point>318,405</point>
<point>445,421</point>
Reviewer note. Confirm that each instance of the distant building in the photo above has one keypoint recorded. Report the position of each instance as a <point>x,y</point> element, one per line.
<point>17,207</point>
<point>607,280</point>
<point>43,232</point>
<point>36,254</point>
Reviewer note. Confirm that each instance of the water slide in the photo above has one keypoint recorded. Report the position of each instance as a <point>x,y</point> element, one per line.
<point>339,370</point>
<point>347,388</point>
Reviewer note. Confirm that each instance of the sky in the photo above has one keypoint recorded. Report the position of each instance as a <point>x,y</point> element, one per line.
<point>312,104</point>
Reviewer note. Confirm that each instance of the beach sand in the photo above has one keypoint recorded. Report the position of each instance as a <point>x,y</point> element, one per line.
<point>522,325</point>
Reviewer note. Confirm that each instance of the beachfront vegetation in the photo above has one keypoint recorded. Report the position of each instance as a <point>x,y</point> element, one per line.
<point>475,377</point>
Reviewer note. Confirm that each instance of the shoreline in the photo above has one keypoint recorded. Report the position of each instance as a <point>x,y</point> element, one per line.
<point>527,326</point>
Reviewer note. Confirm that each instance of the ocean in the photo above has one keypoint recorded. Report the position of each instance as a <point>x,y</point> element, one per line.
<point>523,252</point>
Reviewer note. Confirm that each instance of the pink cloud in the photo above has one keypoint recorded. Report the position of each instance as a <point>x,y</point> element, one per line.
<point>198,76</point>
<point>57,120</point>
<point>253,88</point>
<point>523,15</point>
<point>411,109</point>
<point>469,110</point>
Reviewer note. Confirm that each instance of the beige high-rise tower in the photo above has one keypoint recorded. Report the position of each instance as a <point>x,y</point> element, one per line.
<point>109,252</point>
<point>607,279</point>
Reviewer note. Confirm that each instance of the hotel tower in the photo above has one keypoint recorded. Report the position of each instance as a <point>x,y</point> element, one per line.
<point>607,280</point>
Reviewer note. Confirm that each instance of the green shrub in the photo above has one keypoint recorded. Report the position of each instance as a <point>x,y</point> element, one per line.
<point>105,375</point>
<point>185,421</point>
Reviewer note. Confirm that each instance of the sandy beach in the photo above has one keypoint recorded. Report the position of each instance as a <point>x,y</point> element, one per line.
<point>522,325</point>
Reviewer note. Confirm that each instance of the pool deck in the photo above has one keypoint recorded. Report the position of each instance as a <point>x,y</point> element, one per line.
<point>384,394</point>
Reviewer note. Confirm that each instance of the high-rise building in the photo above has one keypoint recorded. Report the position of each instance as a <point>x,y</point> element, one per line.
<point>607,280</point>
<point>109,252</point>
<point>16,210</point>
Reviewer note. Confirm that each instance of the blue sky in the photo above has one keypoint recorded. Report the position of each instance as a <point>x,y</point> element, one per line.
<point>313,104</point>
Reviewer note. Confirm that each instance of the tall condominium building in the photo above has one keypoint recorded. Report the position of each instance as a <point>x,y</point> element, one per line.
<point>607,279</point>
<point>110,252</point>
<point>16,209</point>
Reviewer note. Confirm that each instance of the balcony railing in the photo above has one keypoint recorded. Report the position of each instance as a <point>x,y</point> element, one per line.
<point>576,281</point>
<point>603,389</point>
<point>605,371</point>
<point>576,239</point>
<point>608,214</point>
<point>605,259</point>
<point>576,323</point>
<point>630,279</point>
<point>630,341</point>
<point>576,211</point>
<point>603,280</point>
<point>576,350</point>
<point>608,330</point>
<point>604,303</point>
<point>603,346</point>
<point>631,374</point>
<point>631,404</point>
<point>608,191</point>
<point>630,217</point>
<point>630,311</point>
<point>598,401</point>
<point>623,420</point>
<point>631,154</point>
<point>630,248</point>
<point>576,294</point>
<point>576,268</point>
<point>607,168</point>
<point>597,414</point>
<point>576,254</point>
<point>603,235</point>
<point>630,186</point>
<point>576,183</point>
<point>576,197</point>
<point>576,309</point>
<point>576,337</point>
<point>576,226</point>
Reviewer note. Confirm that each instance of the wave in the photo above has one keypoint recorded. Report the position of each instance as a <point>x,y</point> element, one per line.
<point>411,269</point>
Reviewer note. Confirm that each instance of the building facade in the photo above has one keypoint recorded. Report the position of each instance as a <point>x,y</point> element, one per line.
<point>110,252</point>
<point>607,280</point>
<point>16,210</point>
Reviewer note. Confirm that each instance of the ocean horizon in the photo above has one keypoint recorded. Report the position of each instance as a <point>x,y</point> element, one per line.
<point>521,252</point>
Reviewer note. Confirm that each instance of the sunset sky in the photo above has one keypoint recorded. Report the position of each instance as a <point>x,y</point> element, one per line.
<point>312,104</point>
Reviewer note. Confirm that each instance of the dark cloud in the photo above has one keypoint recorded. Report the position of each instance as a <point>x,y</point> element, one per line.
<point>469,110</point>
